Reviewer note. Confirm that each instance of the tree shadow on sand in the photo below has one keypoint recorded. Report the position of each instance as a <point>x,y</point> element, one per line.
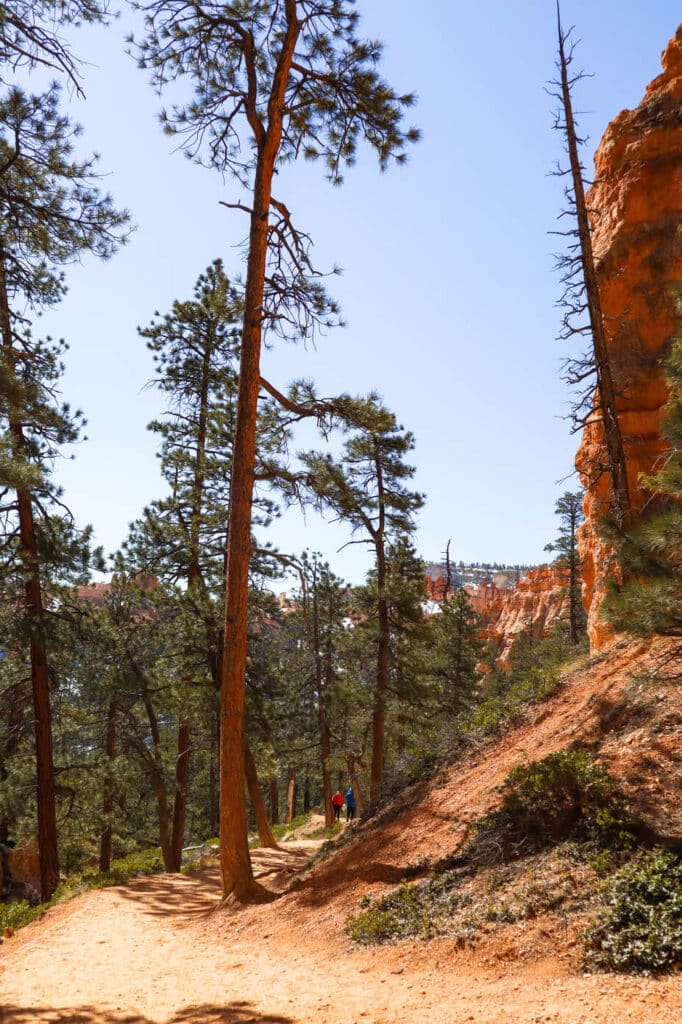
<point>235,1012</point>
<point>186,896</point>
<point>199,894</point>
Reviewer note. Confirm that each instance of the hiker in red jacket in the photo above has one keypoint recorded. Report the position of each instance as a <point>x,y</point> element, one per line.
<point>337,804</point>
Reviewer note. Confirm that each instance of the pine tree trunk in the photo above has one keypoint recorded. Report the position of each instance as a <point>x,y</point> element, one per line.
<point>257,803</point>
<point>379,713</point>
<point>180,800</point>
<point>42,717</point>
<point>355,783</point>
<point>105,849</point>
<point>237,873</point>
<point>605,387</point>
<point>291,789</point>
<point>274,801</point>
<point>402,743</point>
<point>326,774</point>
<point>322,682</point>
<point>194,578</point>
<point>158,784</point>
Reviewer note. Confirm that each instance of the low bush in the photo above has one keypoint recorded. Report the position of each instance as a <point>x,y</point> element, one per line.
<point>15,915</point>
<point>533,673</point>
<point>411,910</point>
<point>639,927</point>
<point>280,831</point>
<point>564,796</point>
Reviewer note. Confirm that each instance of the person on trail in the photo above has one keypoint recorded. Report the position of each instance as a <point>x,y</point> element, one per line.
<point>350,804</point>
<point>337,804</point>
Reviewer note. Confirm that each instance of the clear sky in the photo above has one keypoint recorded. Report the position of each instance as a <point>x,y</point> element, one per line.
<point>448,287</point>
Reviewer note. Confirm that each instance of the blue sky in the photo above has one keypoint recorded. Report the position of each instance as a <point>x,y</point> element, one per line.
<point>448,287</point>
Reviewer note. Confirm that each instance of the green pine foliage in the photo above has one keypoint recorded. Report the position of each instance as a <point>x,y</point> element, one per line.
<point>569,509</point>
<point>457,652</point>
<point>52,212</point>
<point>196,352</point>
<point>534,673</point>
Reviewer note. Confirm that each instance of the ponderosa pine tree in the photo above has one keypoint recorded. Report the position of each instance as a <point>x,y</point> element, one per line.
<point>456,652</point>
<point>181,538</point>
<point>31,35</point>
<point>366,489</point>
<point>409,635</point>
<point>581,295</point>
<point>65,564</point>
<point>310,636</point>
<point>273,81</point>
<point>569,508</point>
<point>51,211</point>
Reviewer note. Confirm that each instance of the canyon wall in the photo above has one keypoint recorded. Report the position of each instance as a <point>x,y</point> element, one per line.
<point>534,605</point>
<point>636,210</point>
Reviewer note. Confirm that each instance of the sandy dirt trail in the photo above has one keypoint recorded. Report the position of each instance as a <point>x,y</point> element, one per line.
<point>152,952</point>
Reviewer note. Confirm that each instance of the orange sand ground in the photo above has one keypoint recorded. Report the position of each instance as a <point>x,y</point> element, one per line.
<point>151,952</point>
<point>158,951</point>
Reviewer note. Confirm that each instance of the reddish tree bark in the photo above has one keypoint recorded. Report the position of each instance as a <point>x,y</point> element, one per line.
<point>256,797</point>
<point>274,801</point>
<point>33,601</point>
<point>105,850</point>
<point>237,873</point>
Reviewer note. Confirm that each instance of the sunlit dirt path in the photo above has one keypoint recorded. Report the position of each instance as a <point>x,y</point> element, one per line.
<point>151,952</point>
<point>157,951</point>
<point>138,954</point>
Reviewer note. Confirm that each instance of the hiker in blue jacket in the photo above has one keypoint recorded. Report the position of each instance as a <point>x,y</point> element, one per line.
<point>350,804</point>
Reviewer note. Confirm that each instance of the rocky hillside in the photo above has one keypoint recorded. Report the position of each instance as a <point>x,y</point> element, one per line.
<point>636,206</point>
<point>625,709</point>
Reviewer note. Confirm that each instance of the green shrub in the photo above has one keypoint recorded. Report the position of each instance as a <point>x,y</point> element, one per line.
<point>639,928</point>
<point>411,910</point>
<point>280,831</point>
<point>564,796</point>
<point>499,710</point>
<point>15,915</point>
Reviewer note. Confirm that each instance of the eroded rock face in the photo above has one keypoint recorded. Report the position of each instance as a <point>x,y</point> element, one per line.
<point>535,604</point>
<point>636,205</point>
<point>24,864</point>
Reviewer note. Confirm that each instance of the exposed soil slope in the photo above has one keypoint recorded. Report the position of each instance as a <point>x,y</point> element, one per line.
<point>152,952</point>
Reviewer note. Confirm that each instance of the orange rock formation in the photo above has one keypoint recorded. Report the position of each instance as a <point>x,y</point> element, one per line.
<point>537,601</point>
<point>636,205</point>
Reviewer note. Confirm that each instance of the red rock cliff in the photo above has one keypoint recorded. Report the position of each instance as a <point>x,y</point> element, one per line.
<point>539,598</point>
<point>636,205</point>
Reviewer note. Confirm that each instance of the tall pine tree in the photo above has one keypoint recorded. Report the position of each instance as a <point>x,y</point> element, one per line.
<point>51,212</point>
<point>366,489</point>
<point>273,81</point>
